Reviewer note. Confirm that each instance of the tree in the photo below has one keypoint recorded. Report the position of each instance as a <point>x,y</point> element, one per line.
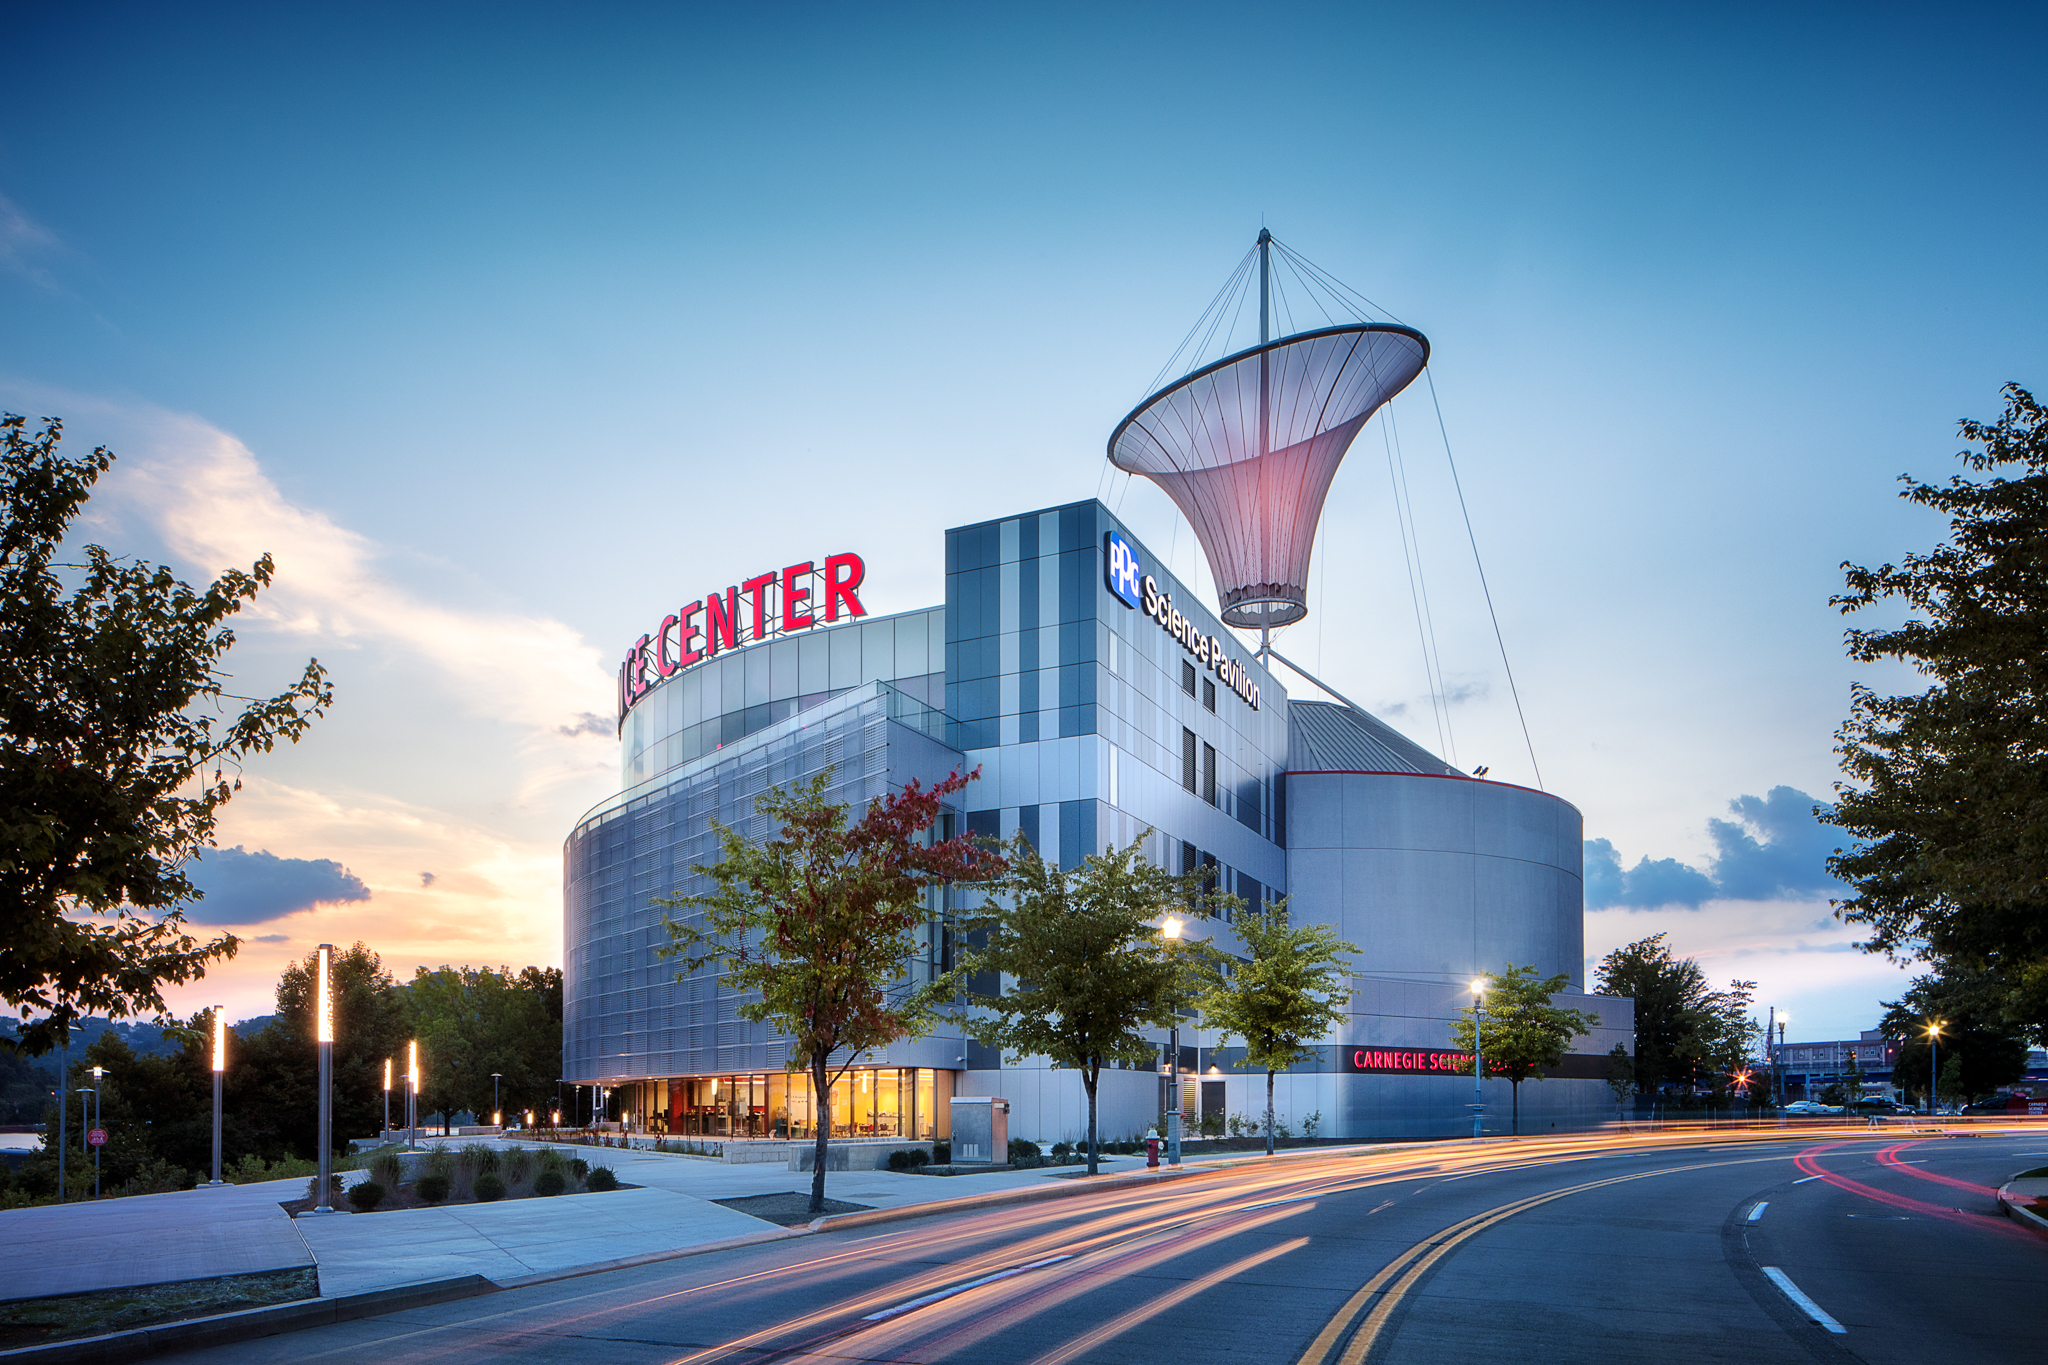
<point>1977,1037</point>
<point>473,1022</point>
<point>114,757</point>
<point>370,1025</point>
<point>1724,1035</point>
<point>1089,966</point>
<point>1621,1075</point>
<point>1671,996</point>
<point>1946,790</point>
<point>817,925</point>
<point>1289,994</point>
<point>1524,1032</point>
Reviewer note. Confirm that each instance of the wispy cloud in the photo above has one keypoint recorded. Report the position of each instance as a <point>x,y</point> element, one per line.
<point>209,498</point>
<point>22,239</point>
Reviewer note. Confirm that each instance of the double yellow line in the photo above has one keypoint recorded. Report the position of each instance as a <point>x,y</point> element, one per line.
<point>1383,1293</point>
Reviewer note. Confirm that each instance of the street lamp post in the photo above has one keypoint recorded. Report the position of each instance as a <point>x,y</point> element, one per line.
<point>387,1098</point>
<point>1933,1070</point>
<point>412,1093</point>
<point>84,1093</point>
<point>323,1022</point>
<point>220,1065</point>
<point>99,1083</point>
<point>63,1109</point>
<point>1478,1014</point>
<point>497,1114</point>
<point>1779,1065</point>
<point>1171,929</point>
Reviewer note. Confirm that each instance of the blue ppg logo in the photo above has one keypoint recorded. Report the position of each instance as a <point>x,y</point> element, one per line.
<point>1120,568</point>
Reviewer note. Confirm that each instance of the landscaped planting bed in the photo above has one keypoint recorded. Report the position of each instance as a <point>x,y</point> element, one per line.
<point>474,1174</point>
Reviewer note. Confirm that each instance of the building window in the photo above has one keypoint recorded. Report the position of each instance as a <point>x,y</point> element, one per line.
<point>1209,773</point>
<point>1187,759</point>
<point>1209,694</point>
<point>1187,678</point>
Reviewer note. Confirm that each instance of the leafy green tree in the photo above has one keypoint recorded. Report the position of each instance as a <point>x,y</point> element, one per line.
<point>814,928</point>
<point>472,1022</point>
<point>370,1024</point>
<point>1671,1000</point>
<point>1621,1075</point>
<point>1089,970</point>
<point>1946,790</point>
<point>1290,993</point>
<point>115,758</point>
<point>1523,1032</point>
<point>1724,1034</point>
<point>1977,1036</point>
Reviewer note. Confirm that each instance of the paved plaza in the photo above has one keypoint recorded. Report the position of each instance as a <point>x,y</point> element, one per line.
<point>240,1229</point>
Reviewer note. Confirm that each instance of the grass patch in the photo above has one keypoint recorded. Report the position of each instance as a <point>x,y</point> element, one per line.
<point>27,1322</point>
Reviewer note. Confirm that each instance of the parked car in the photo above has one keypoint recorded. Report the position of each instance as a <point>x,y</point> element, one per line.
<point>1881,1107</point>
<point>1997,1106</point>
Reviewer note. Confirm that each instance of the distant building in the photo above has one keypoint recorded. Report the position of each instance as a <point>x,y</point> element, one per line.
<point>1809,1068</point>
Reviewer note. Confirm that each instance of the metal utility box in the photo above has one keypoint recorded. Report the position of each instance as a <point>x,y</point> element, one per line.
<point>981,1130</point>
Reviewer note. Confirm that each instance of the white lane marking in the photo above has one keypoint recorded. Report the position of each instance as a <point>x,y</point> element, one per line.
<point>952,1290</point>
<point>1798,1296</point>
<point>1803,1179</point>
<point>1758,1211</point>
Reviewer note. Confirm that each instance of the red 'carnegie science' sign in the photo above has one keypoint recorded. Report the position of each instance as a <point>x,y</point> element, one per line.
<point>779,602</point>
<point>1408,1061</point>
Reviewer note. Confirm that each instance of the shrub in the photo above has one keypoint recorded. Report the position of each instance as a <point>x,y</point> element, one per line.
<point>365,1195</point>
<point>1062,1150</point>
<point>439,1162</point>
<point>432,1187</point>
<point>908,1158</point>
<point>1311,1124</point>
<point>490,1186</point>
<point>387,1170</point>
<point>942,1153</point>
<point>1022,1149</point>
<point>550,1183</point>
<point>519,1165</point>
<point>313,1190</point>
<point>578,1167</point>
<point>601,1178</point>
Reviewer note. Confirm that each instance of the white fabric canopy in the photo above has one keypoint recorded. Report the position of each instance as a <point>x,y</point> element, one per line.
<point>1246,448</point>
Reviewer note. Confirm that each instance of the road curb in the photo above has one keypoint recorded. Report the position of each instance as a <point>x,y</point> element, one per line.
<point>646,1258</point>
<point>2028,1219</point>
<point>249,1323</point>
<point>1054,1188</point>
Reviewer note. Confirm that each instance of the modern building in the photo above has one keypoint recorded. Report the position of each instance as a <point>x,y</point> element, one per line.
<point>1101,702</point>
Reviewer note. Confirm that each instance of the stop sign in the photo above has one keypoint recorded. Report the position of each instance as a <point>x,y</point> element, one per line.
<point>97,1137</point>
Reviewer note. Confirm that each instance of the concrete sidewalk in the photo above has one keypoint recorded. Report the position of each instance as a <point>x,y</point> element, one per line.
<point>150,1239</point>
<point>240,1229</point>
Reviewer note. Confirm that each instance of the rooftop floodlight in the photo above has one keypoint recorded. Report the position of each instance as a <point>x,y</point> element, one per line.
<point>1246,448</point>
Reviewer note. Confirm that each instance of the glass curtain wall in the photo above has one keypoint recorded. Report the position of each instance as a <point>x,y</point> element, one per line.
<point>867,1102</point>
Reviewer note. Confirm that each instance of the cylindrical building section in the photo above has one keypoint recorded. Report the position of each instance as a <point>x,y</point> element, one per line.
<point>1437,877</point>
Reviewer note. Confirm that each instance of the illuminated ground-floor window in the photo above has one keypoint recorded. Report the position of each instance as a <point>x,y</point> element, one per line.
<point>890,1101</point>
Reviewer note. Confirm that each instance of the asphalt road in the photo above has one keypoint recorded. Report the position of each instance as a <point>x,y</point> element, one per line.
<point>1597,1250</point>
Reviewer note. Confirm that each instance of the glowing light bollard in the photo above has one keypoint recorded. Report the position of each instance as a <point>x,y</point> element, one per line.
<point>387,1099</point>
<point>412,1094</point>
<point>323,1026</point>
<point>220,1066</point>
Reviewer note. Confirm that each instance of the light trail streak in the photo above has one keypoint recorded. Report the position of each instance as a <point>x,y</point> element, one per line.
<point>1144,1313</point>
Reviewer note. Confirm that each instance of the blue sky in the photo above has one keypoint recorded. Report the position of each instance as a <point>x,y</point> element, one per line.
<point>500,326</point>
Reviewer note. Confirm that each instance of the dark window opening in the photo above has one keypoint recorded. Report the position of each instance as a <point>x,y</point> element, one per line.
<point>1187,759</point>
<point>1187,678</point>
<point>1209,694</point>
<point>1209,773</point>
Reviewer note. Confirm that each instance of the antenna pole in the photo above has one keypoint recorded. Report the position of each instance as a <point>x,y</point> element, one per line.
<point>1265,394</point>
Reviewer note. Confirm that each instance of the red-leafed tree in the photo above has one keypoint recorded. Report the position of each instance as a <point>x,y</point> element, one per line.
<point>820,923</point>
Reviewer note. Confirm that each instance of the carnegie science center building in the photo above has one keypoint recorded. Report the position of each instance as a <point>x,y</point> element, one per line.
<point>1101,701</point>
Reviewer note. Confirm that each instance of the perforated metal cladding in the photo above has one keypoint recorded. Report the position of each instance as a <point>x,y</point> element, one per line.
<point>1247,447</point>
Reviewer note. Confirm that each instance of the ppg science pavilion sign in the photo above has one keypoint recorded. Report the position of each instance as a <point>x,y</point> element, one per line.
<point>780,602</point>
<point>1138,590</point>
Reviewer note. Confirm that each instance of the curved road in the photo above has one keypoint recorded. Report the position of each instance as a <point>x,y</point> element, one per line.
<point>1822,1245</point>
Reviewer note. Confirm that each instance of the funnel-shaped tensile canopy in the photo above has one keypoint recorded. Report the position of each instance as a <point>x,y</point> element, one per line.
<point>1254,502</point>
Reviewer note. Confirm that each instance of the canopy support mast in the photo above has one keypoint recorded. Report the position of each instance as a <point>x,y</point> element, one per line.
<point>1265,395</point>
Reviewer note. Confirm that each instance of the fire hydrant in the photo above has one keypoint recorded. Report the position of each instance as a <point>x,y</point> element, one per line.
<point>1152,1149</point>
